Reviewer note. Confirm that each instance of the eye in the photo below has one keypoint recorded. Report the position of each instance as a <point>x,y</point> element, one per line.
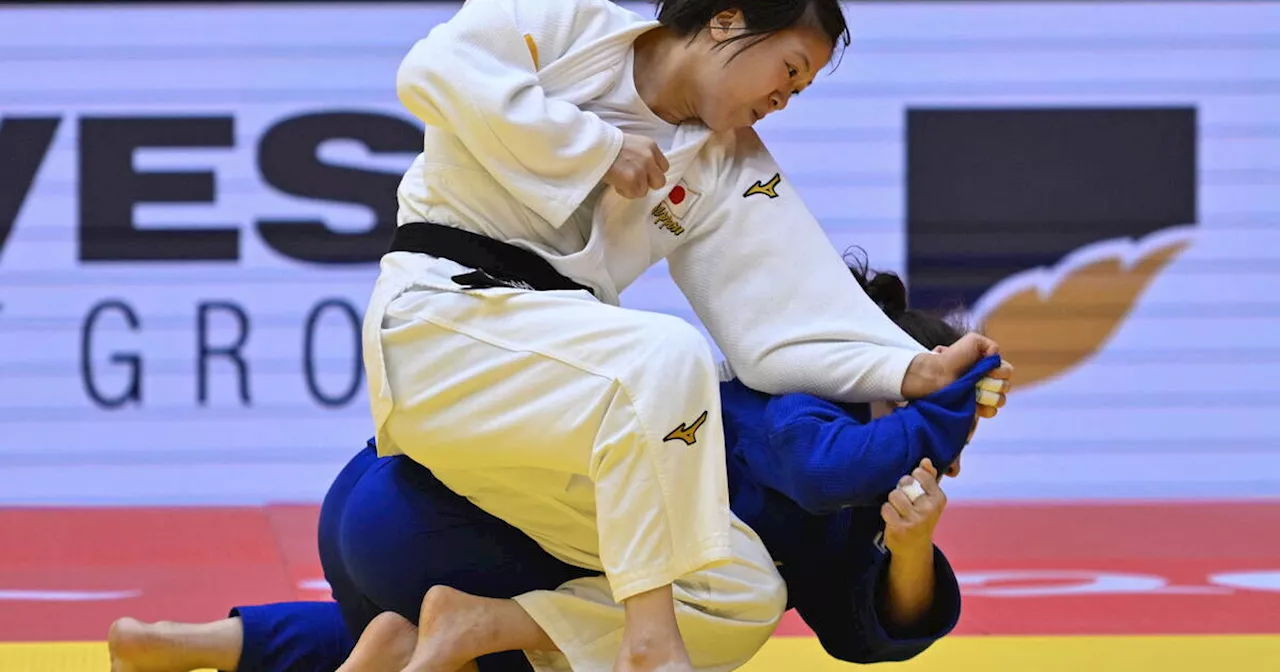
<point>791,74</point>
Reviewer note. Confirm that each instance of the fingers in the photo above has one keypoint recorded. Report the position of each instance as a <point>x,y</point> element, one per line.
<point>994,385</point>
<point>927,465</point>
<point>980,344</point>
<point>655,174</point>
<point>991,399</point>
<point>639,168</point>
<point>890,515</point>
<point>660,160</point>
<point>630,187</point>
<point>991,396</point>
<point>900,502</point>
<point>927,478</point>
<point>987,347</point>
<point>913,491</point>
<point>1003,372</point>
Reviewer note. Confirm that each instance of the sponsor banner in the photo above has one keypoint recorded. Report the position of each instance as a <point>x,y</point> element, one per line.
<point>194,199</point>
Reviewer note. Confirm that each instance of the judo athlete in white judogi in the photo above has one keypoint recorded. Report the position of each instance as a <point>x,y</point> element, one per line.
<point>569,146</point>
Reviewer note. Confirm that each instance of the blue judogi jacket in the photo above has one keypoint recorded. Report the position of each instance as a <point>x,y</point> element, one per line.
<point>806,474</point>
<point>809,476</point>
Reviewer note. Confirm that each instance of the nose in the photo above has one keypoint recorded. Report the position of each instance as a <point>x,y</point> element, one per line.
<point>778,100</point>
<point>954,470</point>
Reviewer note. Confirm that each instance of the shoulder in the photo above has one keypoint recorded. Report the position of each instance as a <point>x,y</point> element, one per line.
<point>738,145</point>
<point>561,26</point>
<point>740,160</point>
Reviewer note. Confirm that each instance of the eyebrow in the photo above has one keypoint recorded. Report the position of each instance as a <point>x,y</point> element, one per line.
<point>807,65</point>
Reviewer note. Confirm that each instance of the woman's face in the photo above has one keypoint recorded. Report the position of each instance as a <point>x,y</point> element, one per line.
<point>738,85</point>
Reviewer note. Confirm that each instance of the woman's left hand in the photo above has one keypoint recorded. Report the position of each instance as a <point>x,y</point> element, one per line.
<point>913,510</point>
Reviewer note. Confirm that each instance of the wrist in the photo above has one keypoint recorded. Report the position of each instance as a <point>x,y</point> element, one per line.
<point>911,552</point>
<point>925,375</point>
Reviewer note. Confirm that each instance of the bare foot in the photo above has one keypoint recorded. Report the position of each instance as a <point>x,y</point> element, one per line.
<point>174,647</point>
<point>454,629</point>
<point>385,645</point>
<point>652,657</point>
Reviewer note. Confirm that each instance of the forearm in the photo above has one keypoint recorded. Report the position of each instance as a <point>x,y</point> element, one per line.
<point>782,330</point>
<point>778,300</point>
<point>909,588</point>
<point>924,376</point>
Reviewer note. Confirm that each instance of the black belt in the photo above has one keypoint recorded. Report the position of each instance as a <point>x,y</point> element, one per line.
<point>497,264</point>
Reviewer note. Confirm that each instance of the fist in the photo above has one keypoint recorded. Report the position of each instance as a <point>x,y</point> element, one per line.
<point>639,167</point>
<point>962,355</point>
<point>913,510</point>
<point>993,390</point>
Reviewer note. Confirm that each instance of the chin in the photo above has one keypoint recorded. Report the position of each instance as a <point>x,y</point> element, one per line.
<point>722,123</point>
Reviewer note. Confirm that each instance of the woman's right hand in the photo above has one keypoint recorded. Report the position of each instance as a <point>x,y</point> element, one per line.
<point>930,372</point>
<point>639,167</point>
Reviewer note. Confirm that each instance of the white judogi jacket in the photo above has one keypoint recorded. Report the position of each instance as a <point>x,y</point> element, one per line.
<point>509,153</point>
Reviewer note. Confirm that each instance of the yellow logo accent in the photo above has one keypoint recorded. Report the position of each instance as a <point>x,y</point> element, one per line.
<point>533,49</point>
<point>663,219</point>
<point>687,434</point>
<point>769,188</point>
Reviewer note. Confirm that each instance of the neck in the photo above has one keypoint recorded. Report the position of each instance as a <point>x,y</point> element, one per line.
<point>661,79</point>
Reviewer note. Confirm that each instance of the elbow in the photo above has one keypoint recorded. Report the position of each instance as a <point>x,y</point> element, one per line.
<point>764,374</point>
<point>870,654</point>
<point>816,503</point>
<point>856,650</point>
<point>411,77</point>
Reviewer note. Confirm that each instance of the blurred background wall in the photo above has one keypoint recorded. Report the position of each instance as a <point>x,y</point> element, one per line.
<point>195,195</point>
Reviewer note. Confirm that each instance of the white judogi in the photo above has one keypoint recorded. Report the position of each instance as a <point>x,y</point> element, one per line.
<point>596,429</point>
<point>725,613</point>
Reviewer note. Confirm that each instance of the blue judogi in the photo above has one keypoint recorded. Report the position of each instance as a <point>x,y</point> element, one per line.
<point>806,474</point>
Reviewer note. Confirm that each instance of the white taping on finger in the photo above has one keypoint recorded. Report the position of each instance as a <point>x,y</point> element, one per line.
<point>986,398</point>
<point>912,490</point>
<point>992,385</point>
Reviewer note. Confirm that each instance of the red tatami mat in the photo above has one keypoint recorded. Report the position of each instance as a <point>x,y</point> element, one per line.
<point>1182,568</point>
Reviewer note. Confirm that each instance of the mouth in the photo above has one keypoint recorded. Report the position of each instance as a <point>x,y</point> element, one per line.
<point>756,116</point>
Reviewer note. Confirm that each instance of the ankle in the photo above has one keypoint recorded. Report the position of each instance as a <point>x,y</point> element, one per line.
<point>651,652</point>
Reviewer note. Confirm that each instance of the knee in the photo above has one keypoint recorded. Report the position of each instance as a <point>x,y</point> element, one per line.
<point>767,600</point>
<point>679,345</point>
<point>773,598</point>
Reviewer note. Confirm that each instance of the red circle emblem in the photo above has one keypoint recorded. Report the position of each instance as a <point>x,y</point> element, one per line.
<point>677,195</point>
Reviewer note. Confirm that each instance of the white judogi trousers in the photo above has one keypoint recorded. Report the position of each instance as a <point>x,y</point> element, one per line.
<point>594,429</point>
<point>725,613</point>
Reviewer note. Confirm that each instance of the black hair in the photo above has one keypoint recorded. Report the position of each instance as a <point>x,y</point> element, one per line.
<point>890,294</point>
<point>763,18</point>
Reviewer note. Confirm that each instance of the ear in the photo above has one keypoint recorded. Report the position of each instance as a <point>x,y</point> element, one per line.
<point>727,24</point>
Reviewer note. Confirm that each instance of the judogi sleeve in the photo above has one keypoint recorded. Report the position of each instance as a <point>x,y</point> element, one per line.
<point>475,77</point>
<point>844,610</point>
<point>824,459</point>
<point>775,295</point>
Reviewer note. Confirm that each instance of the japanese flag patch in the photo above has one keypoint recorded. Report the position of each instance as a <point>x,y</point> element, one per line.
<point>680,199</point>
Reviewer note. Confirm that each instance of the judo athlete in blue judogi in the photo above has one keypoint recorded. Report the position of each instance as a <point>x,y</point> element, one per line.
<point>821,483</point>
